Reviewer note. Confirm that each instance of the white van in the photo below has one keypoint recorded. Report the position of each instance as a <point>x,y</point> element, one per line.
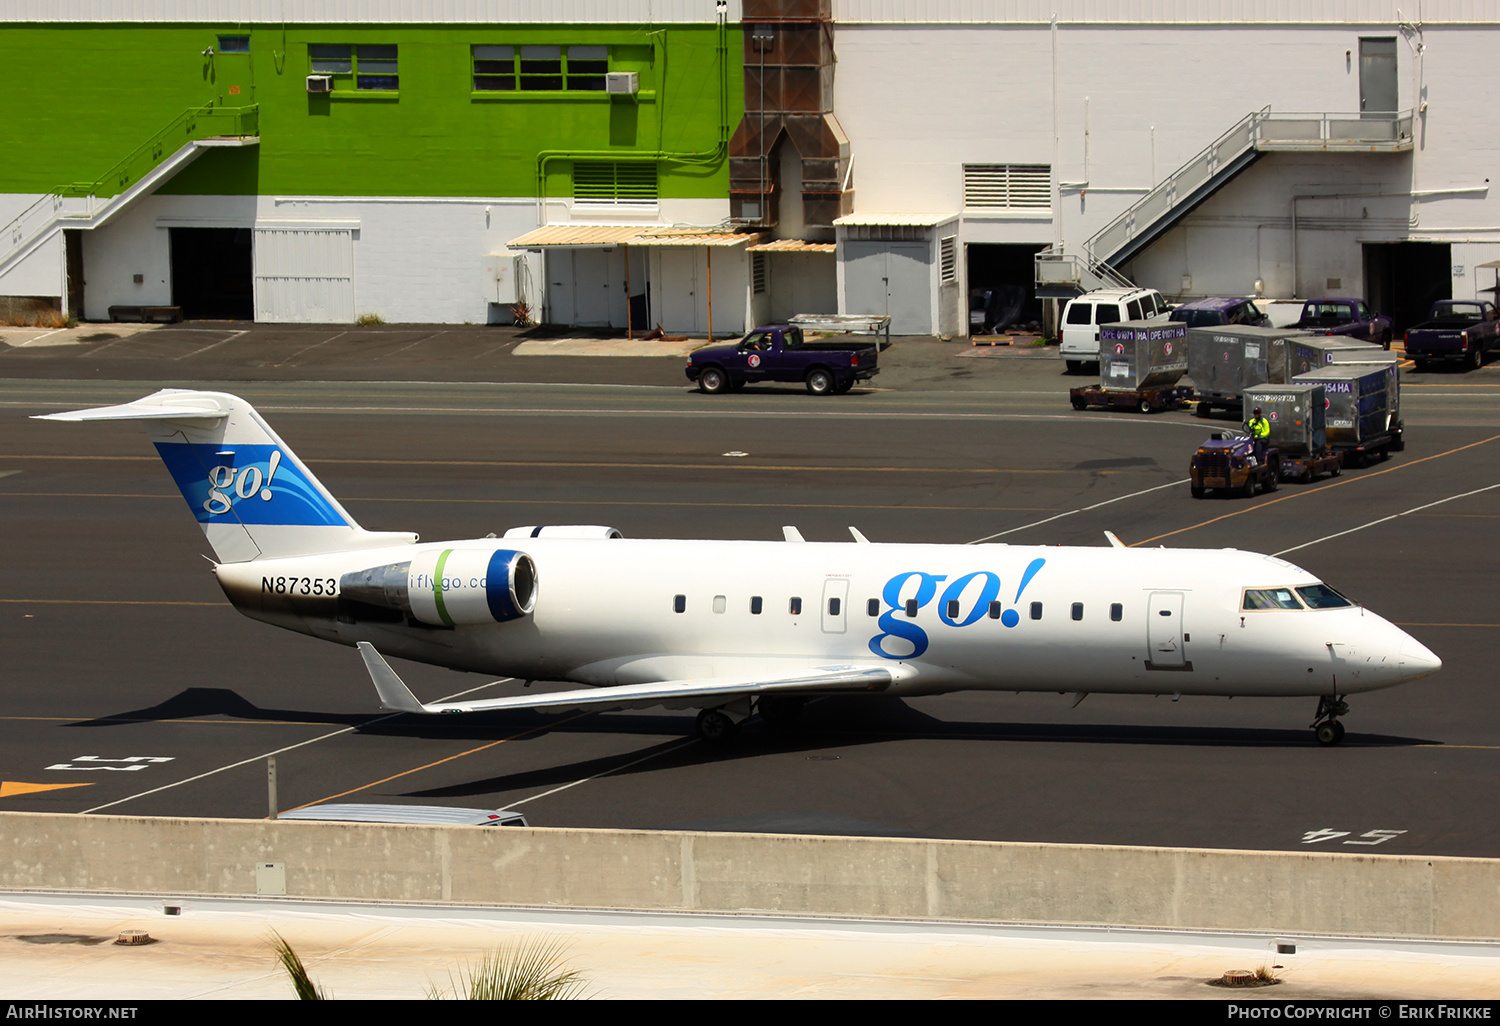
<point>1083,315</point>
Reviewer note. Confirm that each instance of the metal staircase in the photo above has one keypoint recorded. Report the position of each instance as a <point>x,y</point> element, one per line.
<point>91,204</point>
<point>1062,275</point>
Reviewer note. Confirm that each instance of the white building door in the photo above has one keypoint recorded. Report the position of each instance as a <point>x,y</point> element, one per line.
<point>890,278</point>
<point>303,275</point>
<point>674,292</point>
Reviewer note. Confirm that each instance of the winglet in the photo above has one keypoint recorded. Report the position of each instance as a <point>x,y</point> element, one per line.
<point>791,534</point>
<point>861,539</point>
<point>394,694</point>
<point>1113,541</point>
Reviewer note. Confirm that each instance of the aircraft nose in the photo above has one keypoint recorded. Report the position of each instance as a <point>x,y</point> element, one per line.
<point>1417,660</point>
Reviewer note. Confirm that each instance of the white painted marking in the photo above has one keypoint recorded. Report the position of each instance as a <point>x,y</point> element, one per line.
<point>645,758</point>
<point>1379,836</point>
<point>266,755</point>
<point>97,762</point>
<point>1382,520</point>
<point>228,338</point>
<point>1081,509</point>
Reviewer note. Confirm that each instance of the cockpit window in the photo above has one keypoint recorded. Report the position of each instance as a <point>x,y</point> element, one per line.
<point>1270,598</point>
<point>1321,596</point>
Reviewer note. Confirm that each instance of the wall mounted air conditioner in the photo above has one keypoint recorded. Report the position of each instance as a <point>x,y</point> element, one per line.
<point>622,83</point>
<point>320,83</point>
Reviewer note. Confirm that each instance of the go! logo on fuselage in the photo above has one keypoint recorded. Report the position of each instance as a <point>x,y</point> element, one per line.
<point>896,622</point>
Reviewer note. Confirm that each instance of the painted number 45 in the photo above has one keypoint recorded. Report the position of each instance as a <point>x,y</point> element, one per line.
<point>125,765</point>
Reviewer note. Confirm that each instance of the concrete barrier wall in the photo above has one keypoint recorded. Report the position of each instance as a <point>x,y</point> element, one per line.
<point>1286,892</point>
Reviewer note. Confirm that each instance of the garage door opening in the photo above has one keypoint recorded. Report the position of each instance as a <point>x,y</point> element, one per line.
<point>212,273</point>
<point>1404,279</point>
<point>1002,288</point>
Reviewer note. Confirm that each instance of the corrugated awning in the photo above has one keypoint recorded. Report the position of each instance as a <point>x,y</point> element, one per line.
<point>629,235</point>
<point>793,246</point>
<point>577,235</point>
<point>914,218</point>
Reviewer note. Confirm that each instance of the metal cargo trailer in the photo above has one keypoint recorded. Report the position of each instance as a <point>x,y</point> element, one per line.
<point>1296,415</point>
<point>1136,355</point>
<point>1360,401</point>
<point>1225,360</point>
<point>1310,352</point>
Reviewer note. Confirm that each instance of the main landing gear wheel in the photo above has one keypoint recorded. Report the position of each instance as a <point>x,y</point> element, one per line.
<point>716,727</point>
<point>1326,726</point>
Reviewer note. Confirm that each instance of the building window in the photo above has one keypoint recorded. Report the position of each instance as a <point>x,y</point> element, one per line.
<point>494,68</point>
<point>1007,186</point>
<point>234,44</point>
<point>540,69</point>
<point>758,273</point>
<point>604,183</point>
<point>366,66</point>
<point>585,68</point>
<point>948,258</point>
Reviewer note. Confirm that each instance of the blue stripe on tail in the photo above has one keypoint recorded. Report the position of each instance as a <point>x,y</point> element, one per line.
<point>247,484</point>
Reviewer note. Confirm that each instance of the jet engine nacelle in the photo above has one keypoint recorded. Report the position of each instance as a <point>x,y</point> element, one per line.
<point>564,531</point>
<point>450,587</point>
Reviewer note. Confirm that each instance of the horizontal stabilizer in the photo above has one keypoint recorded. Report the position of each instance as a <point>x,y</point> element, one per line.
<point>707,691</point>
<point>168,404</point>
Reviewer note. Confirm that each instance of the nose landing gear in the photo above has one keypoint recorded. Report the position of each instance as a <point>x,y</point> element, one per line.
<point>1326,726</point>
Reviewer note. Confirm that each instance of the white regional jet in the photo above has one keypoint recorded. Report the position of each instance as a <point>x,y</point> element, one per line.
<point>736,628</point>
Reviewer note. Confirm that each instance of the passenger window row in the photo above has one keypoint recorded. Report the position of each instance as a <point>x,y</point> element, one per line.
<point>872,607</point>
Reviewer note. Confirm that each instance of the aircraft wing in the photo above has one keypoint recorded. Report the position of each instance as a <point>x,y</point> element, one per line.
<point>395,695</point>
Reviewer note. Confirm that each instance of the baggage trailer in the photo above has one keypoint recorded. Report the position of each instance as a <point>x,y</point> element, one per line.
<point>1362,409</point>
<point>1145,400</point>
<point>1296,414</point>
<point>1224,360</point>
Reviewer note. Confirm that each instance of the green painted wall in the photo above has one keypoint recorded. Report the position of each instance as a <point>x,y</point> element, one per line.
<point>79,98</point>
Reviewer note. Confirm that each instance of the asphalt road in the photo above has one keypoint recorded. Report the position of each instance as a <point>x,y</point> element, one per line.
<point>117,644</point>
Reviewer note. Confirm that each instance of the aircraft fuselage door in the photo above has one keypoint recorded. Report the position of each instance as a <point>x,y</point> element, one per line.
<point>1164,631</point>
<point>835,605</point>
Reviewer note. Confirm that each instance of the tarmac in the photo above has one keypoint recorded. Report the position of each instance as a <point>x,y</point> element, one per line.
<point>62,947</point>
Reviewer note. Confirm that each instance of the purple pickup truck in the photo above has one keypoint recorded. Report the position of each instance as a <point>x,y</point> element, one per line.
<point>1344,316</point>
<point>1461,331</point>
<point>779,353</point>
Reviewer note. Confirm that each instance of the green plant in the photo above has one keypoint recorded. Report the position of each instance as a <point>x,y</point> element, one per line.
<point>302,983</point>
<point>367,319</point>
<point>521,971</point>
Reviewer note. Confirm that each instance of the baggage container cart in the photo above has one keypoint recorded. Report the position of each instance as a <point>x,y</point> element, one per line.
<point>1138,355</point>
<point>1225,360</point>
<point>1361,402</point>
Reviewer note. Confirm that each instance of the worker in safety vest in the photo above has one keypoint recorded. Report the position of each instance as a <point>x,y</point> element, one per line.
<point>1260,430</point>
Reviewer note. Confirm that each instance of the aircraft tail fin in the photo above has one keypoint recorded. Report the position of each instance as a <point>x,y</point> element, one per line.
<point>253,497</point>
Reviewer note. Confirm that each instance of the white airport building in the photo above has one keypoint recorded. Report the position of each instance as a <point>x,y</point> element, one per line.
<point>893,157</point>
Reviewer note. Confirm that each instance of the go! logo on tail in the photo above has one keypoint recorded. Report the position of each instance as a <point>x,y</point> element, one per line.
<point>242,482</point>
